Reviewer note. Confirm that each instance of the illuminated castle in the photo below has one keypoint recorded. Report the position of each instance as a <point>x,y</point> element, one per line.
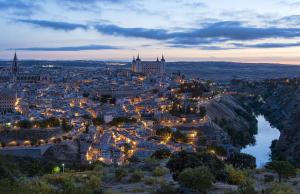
<point>149,67</point>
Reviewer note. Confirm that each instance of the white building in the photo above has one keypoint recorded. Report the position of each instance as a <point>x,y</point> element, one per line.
<point>157,67</point>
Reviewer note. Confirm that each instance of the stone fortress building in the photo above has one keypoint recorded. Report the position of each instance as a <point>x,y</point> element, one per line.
<point>157,67</point>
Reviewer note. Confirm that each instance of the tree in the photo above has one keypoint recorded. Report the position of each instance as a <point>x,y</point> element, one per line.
<point>24,124</point>
<point>202,111</point>
<point>97,121</point>
<point>199,178</point>
<point>235,176</point>
<point>65,126</point>
<point>182,160</point>
<point>283,168</point>
<point>164,132</point>
<point>242,161</point>
<point>162,153</point>
<point>178,136</point>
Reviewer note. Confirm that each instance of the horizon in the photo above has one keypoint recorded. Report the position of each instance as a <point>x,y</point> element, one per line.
<point>194,30</point>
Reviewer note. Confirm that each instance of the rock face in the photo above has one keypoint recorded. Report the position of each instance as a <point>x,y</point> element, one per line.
<point>227,115</point>
<point>63,152</point>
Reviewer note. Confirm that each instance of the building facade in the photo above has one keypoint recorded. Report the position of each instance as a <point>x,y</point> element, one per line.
<point>149,67</point>
<point>8,100</point>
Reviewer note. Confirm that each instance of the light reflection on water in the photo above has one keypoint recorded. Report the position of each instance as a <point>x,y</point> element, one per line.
<point>265,135</point>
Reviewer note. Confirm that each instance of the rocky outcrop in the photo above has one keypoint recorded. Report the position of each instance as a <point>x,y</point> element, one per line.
<point>63,152</point>
<point>227,113</point>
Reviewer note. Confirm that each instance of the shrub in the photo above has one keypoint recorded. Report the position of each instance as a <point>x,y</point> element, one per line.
<point>283,168</point>
<point>181,160</point>
<point>120,173</point>
<point>199,178</point>
<point>166,189</point>
<point>247,187</point>
<point>136,176</point>
<point>242,161</point>
<point>149,180</point>
<point>160,171</point>
<point>235,176</point>
<point>150,164</point>
<point>268,178</point>
<point>280,189</point>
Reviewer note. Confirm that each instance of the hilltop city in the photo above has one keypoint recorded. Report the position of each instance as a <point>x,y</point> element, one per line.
<point>121,128</point>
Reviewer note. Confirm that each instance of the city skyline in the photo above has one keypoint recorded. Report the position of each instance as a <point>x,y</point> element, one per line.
<point>182,30</point>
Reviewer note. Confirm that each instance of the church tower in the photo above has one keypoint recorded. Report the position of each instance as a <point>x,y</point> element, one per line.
<point>15,65</point>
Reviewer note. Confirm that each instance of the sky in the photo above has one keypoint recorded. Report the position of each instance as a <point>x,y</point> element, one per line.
<point>183,30</point>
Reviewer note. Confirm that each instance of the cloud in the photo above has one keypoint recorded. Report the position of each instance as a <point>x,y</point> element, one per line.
<point>53,24</point>
<point>214,32</point>
<point>158,34</point>
<point>70,48</point>
<point>206,35</point>
<point>288,20</point>
<point>18,6</point>
<point>269,45</point>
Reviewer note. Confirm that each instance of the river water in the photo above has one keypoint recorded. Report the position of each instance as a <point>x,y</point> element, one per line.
<point>265,135</point>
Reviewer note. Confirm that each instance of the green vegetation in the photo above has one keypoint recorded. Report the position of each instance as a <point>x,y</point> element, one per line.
<point>166,189</point>
<point>239,138</point>
<point>50,122</point>
<point>162,154</point>
<point>160,171</point>
<point>121,120</point>
<point>197,89</point>
<point>182,160</point>
<point>283,168</point>
<point>280,189</point>
<point>65,126</point>
<point>167,134</point>
<point>235,176</point>
<point>98,121</point>
<point>46,177</point>
<point>199,178</point>
<point>120,173</point>
<point>242,161</point>
<point>136,176</point>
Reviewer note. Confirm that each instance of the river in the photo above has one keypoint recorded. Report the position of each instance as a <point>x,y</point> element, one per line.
<point>265,135</point>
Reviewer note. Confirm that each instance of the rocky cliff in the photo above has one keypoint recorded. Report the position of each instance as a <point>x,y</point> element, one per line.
<point>228,114</point>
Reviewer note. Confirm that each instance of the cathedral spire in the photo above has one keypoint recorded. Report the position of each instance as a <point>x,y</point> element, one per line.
<point>15,67</point>
<point>138,57</point>
<point>163,58</point>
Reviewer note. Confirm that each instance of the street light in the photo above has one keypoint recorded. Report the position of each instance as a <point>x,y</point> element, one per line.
<point>63,167</point>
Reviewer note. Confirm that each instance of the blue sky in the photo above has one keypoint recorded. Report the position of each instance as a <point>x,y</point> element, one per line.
<point>231,30</point>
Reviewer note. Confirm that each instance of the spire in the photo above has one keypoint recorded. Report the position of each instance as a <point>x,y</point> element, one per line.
<point>15,57</point>
<point>157,59</point>
<point>15,67</point>
<point>138,57</point>
<point>133,59</point>
<point>163,58</point>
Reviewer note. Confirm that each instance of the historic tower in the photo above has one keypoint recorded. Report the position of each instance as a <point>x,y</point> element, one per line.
<point>15,65</point>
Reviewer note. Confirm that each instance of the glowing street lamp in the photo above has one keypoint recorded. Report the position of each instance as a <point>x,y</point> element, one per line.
<point>63,167</point>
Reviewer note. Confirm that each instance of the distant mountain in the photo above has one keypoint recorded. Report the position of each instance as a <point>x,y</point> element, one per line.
<point>224,71</point>
<point>220,71</point>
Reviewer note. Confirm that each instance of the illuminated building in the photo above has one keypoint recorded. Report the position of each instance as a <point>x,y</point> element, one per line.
<point>149,67</point>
